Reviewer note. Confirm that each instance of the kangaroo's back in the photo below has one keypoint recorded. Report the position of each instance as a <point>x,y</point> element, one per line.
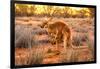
<point>58,25</point>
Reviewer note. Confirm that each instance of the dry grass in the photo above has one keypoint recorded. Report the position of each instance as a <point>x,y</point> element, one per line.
<point>81,29</point>
<point>79,38</point>
<point>77,55</point>
<point>36,57</point>
<point>90,44</point>
<point>30,57</point>
<point>66,56</point>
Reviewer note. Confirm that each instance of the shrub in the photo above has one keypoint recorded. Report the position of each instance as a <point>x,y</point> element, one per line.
<point>39,31</point>
<point>90,43</point>
<point>78,39</point>
<point>81,29</point>
<point>24,36</point>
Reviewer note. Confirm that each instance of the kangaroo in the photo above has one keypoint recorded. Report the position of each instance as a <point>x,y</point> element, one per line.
<point>60,30</point>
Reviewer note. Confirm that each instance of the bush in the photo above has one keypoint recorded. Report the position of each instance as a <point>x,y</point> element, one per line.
<point>78,39</point>
<point>24,37</point>
<point>81,29</point>
<point>90,43</point>
<point>39,31</point>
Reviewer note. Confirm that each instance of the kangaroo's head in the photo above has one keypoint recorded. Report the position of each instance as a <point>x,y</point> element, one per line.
<point>46,21</point>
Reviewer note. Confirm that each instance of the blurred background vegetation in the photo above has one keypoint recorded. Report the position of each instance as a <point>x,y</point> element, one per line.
<point>56,11</point>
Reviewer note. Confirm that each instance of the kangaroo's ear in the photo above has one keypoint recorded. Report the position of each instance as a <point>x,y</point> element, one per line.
<point>50,19</point>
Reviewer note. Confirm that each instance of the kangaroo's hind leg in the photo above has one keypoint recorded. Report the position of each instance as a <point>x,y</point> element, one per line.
<point>65,42</point>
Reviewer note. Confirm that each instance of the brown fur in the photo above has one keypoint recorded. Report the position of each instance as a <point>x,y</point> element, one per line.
<point>60,29</point>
